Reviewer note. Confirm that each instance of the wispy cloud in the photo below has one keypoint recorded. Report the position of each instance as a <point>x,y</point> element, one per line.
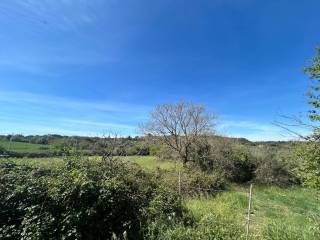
<point>33,113</point>
<point>42,24</point>
<point>62,15</point>
<point>54,101</point>
<point>257,131</point>
<point>29,113</point>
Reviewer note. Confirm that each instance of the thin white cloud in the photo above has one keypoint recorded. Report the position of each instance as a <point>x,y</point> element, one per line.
<point>257,131</point>
<point>53,101</point>
<point>36,129</point>
<point>51,19</point>
<point>103,125</point>
<point>30,113</point>
<point>46,64</point>
<point>58,14</point>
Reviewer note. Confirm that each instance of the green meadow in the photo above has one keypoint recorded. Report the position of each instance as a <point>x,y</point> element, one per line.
<point>24,147</point>
<point>277,213</point>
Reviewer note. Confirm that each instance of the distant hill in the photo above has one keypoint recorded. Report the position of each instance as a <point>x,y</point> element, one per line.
<point>53,145</point>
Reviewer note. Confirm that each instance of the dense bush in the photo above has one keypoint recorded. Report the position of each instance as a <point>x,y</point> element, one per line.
<point>274,167</point>
<point>2,150</point>
<point>166,154</point>
<point>193,181</point>
<point>241,163</point>
<point>81,201</point>
<point>233,159</point>
<point>138,150</point>
<point>39,140</point>
<point>53,145</point>
<point>241,166</point>
<point>308,157</point>
<point>154,149</point>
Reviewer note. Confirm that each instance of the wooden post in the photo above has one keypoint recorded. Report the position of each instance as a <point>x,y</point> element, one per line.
<point>125,235</point>
<point>179,182</point>
<point>10,144</point>
<point>249,211</point>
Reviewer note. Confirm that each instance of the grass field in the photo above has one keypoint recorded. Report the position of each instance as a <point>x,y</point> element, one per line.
<point>279,213</point>
<point>147,162</point>
<point>290,213</point>
<point>151,162</point>
<point>22,147</point>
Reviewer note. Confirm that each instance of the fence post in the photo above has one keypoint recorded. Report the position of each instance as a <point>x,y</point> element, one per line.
<point>179,183</point>
<point>249,211</point>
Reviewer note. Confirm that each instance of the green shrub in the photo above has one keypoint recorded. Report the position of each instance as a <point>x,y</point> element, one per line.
<point>2,150</point>
<point>154,149</point>
<point>83,200</point>
<point>191,180</point>
<point>308,154</point>
<point>242,166</point>
<point>235,160</point>
<point>274,167</point>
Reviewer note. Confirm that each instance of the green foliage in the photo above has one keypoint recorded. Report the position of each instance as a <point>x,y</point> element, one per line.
<point>24,148</point>
<point>208,218</point>
<point>137,149</point>
<point>165,204</point>
<point>291,213</point>
<point>274,167</point>
<point>193,181</point>
<point>209,227</point>
<point>314,93</point>
<point>264,163</point>
<point>55,145</point>
<point>234,159</point>
<point>2,150</point>
<point>154,149</point>
<point>149,163</point>
<point>242,167</point>
<point>83,200</point>
<point>308,154</point>
<point>88,197</point>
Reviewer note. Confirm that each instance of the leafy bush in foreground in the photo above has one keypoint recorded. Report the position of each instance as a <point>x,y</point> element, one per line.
<point>308,155</point>
<point>81,201</point>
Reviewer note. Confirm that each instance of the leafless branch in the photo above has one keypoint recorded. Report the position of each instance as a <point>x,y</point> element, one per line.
<point>180,126</point>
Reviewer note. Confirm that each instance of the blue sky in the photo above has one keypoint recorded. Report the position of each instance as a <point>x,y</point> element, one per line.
<point>88,67</point>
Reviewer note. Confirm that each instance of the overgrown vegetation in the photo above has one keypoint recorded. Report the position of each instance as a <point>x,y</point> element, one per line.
<point>83,200</point>
<point>190,184</point>
<point>69,197</point>
<point>56,145</point>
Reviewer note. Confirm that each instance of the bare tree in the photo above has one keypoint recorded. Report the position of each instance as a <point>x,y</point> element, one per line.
<point>180,126</point>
